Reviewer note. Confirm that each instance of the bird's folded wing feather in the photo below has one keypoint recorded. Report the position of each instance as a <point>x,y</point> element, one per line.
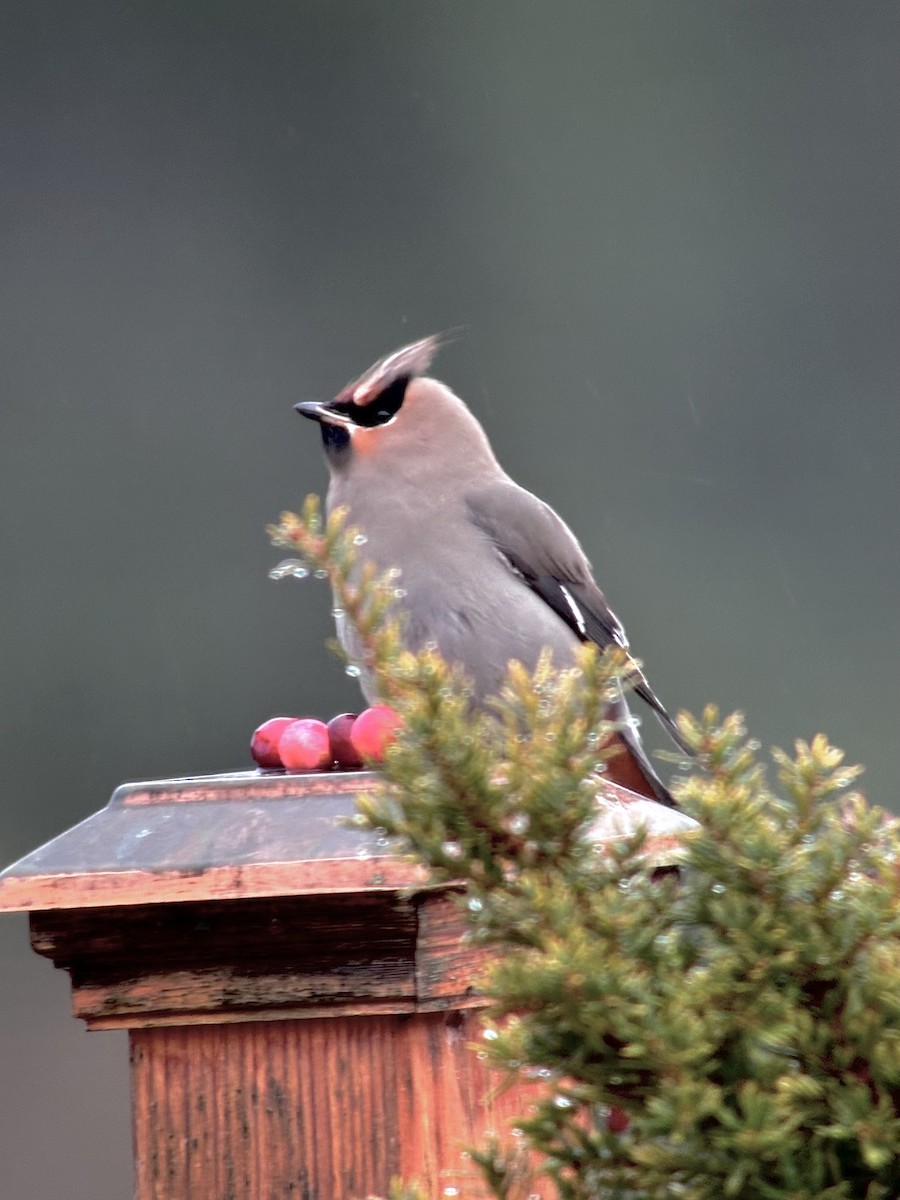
<point>540,547</point>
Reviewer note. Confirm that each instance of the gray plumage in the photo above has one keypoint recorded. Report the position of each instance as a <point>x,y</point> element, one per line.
<point>490,572</point>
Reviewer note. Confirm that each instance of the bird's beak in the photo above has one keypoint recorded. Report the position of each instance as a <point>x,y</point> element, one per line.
<point>319,411</point>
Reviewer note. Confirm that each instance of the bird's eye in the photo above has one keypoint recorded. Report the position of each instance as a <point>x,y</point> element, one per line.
<point>383,407</point>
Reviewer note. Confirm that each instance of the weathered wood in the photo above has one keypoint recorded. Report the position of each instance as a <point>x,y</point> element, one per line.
<point>224,837</point>
<point>234,959</point>
<point>300,1002</point>
<point>447,964</point>
<point>321,1109</point>
<point>210,838</point>
<point>105,888</point>
<point>272,958</point>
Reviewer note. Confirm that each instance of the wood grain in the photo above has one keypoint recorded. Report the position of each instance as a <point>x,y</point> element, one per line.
<point>319,1109</point>
<point>300,1002</point>
<point>273,958</point>
<point>249,834</point>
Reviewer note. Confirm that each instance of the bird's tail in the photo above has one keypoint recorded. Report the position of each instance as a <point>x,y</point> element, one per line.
<point>631,766</point>
<point>650,698</point>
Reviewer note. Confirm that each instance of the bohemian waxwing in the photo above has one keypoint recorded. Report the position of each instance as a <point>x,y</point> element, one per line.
<point>490,572</point>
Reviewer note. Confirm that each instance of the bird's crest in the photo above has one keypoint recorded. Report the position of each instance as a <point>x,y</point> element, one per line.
<point>405,363</point>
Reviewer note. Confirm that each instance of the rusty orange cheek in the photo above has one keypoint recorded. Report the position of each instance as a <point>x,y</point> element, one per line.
<point>367,441</point>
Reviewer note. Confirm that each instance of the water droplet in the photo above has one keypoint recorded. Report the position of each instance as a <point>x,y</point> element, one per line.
<point>360,539</point>
<point>475,905</point>
<point>399,593</point>
<point>353,670</point>
<point>718,888</point>
<point>337,613</point>
<point>540,1073</point>
<point>562,1102</point>
<point>837,894</point>
<point>452,850</point>
<point>451,1191</point>
<point>320,573</point>
<point>394,573</point>
<point>490,1035</point>
<point>519,824</point>
<point>290,566</point>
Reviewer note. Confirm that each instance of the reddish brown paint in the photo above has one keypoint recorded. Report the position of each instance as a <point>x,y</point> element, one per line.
<point>300,1003</point>
<point>325,1109</point>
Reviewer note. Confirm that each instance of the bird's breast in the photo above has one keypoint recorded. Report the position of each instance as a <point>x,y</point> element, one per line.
<point>454,590</point>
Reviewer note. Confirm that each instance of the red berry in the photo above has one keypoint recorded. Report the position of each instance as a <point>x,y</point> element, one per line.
<point>617,1120</point>
<point>343,751</point>
<point>264,743</point>
<point>304,745</point>
<point>373,730</point>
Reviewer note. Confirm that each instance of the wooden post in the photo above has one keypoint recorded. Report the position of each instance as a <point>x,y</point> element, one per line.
<point>301,1004</point>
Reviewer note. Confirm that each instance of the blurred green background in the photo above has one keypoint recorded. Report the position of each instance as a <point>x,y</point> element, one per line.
<point>671,230</point>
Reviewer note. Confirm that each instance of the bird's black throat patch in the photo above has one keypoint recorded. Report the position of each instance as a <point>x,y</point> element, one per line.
<point>336,440</point>
<point>377,410</point>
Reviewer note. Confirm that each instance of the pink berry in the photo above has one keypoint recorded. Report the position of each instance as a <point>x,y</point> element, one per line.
<point>617,1120</point>
<point>304,745</point>
<point>373,731</point>
<point>264,743</point>
<point>343,751</point>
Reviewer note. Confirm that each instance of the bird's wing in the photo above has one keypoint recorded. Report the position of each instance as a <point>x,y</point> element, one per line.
<point>540,547</point>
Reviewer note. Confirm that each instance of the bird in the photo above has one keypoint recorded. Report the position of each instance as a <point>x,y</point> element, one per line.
<point>490,573</point>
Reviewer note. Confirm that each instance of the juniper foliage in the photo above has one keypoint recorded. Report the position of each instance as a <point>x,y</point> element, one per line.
<point>744,1014</point>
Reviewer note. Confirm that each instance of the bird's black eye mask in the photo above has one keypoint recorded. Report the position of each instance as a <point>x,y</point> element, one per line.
<point>380,409</point>
<point>339,417</point>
